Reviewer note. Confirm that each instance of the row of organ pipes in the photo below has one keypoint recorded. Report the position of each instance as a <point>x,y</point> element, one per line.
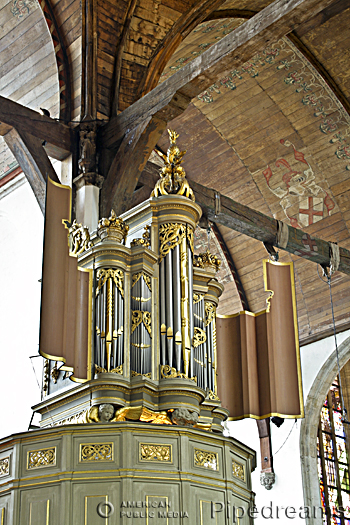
<point>186,320</point>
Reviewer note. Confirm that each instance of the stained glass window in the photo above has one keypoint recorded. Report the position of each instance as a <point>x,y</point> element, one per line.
<point>332,460</point>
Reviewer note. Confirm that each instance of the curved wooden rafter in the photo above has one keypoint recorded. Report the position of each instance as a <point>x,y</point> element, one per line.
<point>166,48</point>
<point>63,67</point>
<point>119,56</point>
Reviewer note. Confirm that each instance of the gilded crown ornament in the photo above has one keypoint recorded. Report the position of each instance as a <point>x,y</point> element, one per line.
<point>173,176</point>
<point>114,228</point>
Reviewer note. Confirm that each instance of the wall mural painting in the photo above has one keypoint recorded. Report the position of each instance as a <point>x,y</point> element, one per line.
<point>21,8</point>
<point>293,182</point>
<point>214,31</point>
<point>333,120</point>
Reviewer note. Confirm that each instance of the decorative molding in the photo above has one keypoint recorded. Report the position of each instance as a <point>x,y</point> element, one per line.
<point>96,452</point>
<point>205,459</point>
<point>5,466</point>
<point>154,452</point>
<point>44,457</point>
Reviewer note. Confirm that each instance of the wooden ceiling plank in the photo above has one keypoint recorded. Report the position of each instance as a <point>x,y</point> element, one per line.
<point>273,22</point>
<point>33,160</point>
<point>29,121</point>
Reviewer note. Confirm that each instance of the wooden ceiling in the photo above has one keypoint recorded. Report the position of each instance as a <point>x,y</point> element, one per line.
<point>271,132</point>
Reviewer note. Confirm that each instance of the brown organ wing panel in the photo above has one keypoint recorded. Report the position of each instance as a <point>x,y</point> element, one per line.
<point>259,371</point>
<point>65,316</point>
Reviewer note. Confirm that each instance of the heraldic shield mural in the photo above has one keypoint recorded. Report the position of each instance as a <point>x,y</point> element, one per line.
<point>304,199</point>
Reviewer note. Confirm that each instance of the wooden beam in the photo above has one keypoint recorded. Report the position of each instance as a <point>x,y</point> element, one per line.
<point>57,134</point>
<point>227,212</point>
<point>128,164</point>
<point>119,56</point>
<point>33,160</point>
<point>173,95</point>
<point>232,266</point>
<point>265,445</point>
<point>166,48</point>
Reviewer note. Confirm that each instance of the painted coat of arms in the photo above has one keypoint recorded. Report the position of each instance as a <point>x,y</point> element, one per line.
<point>303,201</point>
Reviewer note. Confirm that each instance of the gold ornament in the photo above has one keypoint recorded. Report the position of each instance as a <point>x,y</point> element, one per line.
<point>210,313</point>
<point>170,235</point>
<point>137,317</point>
<point>96,452</point>
<point>150,452</point>
<point>80,238</point>
<point>114,228</point>
<point>199,337</point>
<point>203,458</point>
<point>238,470</point>
<point>144,241</point>
<point>173,176</point>
<point>45,457</point>
<point>168,372</point>
<point>147,279</point>
<point>207,260</point>
<point>116,275</point>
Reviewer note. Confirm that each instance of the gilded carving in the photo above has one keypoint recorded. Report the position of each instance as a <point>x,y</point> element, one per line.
<point>135,374</point>
<point>238,470</point>
<point>45,457</point>
<point>116,275</point>
<point>5,466</point>
<point>190,238</point>
<point>140,413</point>
<point>55,373</point>
<point>199,337</point>
<point>137,317</point>
<point>147,279</point>
<point>100,370</point>
<point>145,240</point>
<point>46,376</point>
<point>197,297</point>
<point>207,260</point>
<point>203,458</point>
<point>210,313</point>
<point>79,238</point>
<point>150,452</point>
<point>173,176</point>
<point>212,396</point>
<point>114,228</point>
<point>96,452</point>
<point>168,372</point>
<point>170,235</point>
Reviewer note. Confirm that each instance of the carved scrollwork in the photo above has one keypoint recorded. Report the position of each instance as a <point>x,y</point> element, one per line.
<point>170,235</point>
<point>147,279</point>
<point>116,275</point>
<point>168,372</point>
<point>137,317</point>
<point>80,238</point>
<point>203,458</point>
<point>96,452</point>
<point>210,313</point>
<point>207,260</point>
<point>199,337</point>
<point>41,458</point>
<point>114,228</point>
<point>155,452</point>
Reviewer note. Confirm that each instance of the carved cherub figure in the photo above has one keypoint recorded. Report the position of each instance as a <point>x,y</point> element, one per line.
<point>105,412</point>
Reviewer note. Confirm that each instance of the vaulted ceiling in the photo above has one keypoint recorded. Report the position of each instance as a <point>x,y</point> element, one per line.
<point>271,131</point>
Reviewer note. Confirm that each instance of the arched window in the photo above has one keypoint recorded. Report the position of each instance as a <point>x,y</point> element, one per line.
<point>333,464</point>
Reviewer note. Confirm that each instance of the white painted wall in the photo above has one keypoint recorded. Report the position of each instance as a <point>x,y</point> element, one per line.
<point>21,243</point>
